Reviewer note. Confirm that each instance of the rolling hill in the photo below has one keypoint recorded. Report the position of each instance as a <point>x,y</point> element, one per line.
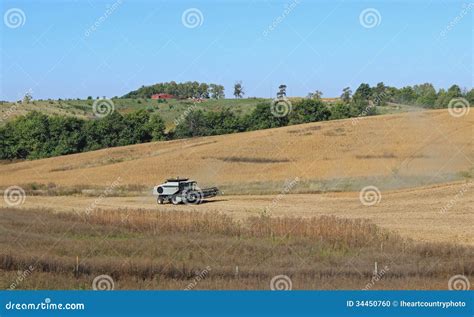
<point>391,151</point>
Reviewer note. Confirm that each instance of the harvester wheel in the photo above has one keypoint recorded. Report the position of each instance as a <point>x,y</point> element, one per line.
<point>174,200</point>
<point>193,197</point>
<point>160,201</point>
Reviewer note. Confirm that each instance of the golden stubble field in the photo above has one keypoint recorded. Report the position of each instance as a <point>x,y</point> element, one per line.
<point>422,163</point>
<point>392,151</point>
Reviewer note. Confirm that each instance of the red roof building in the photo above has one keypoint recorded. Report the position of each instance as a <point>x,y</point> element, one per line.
<point>162,96</point>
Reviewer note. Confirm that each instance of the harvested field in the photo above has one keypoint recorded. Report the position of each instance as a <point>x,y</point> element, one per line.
<point>195,250</point>
<point>437,213</point>
<point>392,151</point>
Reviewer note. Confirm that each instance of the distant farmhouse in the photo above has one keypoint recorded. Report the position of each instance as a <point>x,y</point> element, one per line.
<point>162,96</point>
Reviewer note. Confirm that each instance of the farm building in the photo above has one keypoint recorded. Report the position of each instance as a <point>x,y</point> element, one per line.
<point>162,96</point>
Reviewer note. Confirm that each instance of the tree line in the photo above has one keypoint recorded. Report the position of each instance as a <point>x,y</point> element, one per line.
<point>424,95</point>
<point>189,89</point>
<point>37,135</point>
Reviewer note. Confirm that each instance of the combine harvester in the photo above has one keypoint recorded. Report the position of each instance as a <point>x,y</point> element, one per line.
<point>182,190</point>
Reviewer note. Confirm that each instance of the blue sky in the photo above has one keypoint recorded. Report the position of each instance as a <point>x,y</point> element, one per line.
<point>54,51</point>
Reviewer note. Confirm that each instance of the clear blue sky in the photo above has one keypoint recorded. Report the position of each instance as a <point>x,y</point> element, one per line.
<point>315,45</point>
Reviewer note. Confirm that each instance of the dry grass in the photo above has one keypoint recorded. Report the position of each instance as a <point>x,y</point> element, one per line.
<point>167,250</point>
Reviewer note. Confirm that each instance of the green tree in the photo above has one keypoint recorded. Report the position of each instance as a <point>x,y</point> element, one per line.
<point>136,128</point>
<point>156,128</point>
<point>193,125</point>
<point>470,96</point>
<point>31,136</point>
<point>309,110</point>
<point>406,95</point>
<point>217,91</point>
<point>346,95</point>
<point>442,99</point>
<point>65,136</point>
<point>341,110</point>
<point>454,92</point>
<point>363,92</point>
<point>238,90</point>
<point>222,122</point>
<point>317,94</point>
<point>379,94</point>
<point>425,95</point>
<point>27,98</point>
<point>263,118</point>
<point>281,91</point>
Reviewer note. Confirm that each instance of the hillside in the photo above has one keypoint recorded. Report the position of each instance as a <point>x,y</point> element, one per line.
<point>169,110</point>
<point>390,151</point>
